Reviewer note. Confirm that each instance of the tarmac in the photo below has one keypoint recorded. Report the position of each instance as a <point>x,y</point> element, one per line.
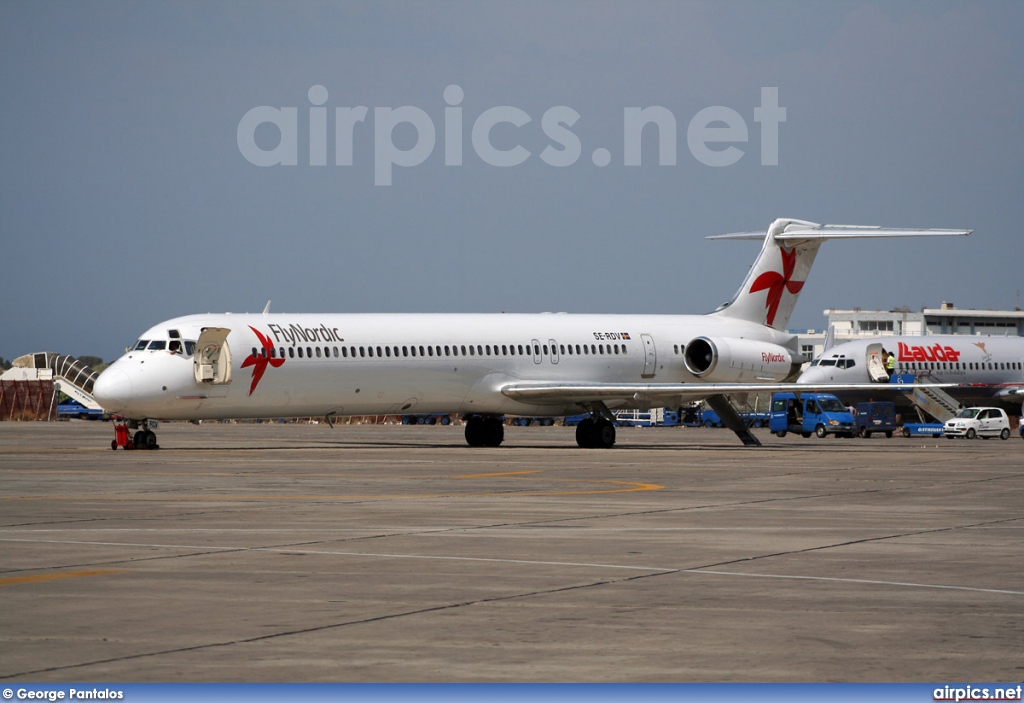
<point>302,553</point>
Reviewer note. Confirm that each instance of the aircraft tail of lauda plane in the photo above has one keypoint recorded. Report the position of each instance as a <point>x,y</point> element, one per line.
<point>483,366</point>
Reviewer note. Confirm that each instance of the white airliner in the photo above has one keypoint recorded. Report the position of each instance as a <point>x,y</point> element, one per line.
<point>484,366</point>
<point>985,370</point>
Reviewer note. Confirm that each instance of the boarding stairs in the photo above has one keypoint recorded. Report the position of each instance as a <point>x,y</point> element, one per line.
<point>70,376</point>
<point>934,402</point>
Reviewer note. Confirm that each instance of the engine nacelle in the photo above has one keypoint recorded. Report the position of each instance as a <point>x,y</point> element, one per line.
<point>731,360</point>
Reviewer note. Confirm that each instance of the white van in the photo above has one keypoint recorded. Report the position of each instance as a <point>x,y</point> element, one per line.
<point>978,422</point>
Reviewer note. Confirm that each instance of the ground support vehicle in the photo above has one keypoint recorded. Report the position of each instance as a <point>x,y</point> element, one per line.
<point>821,414</point>
<point>876,416</point>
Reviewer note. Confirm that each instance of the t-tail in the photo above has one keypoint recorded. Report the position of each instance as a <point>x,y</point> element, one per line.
<point>771,288</point>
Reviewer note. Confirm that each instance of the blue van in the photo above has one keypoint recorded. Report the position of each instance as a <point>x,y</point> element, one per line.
<point>877,416</point>
<point>818,413</point>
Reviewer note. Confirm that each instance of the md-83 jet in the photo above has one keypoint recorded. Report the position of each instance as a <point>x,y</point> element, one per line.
<point>482,366</point>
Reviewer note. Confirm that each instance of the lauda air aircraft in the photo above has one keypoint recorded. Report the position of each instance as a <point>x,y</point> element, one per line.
<point>484,366</point>
<point>986,370</point>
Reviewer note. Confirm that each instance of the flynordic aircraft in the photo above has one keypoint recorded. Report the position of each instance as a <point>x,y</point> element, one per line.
<point>985,370</point>
<point>483,366</point>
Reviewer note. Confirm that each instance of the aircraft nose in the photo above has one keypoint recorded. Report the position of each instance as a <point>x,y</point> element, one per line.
<point>809,376</point>
<point>113,390</point>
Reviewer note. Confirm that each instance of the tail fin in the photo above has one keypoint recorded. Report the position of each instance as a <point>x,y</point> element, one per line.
<point>770,290</point>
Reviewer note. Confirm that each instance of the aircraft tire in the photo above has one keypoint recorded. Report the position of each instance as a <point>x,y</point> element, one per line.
<point>493,432</point>
<point>585,432</point>
<point>604,434</point>
<point>474,431</point>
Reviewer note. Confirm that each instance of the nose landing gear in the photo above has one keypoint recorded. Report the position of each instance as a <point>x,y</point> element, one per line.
<point>144,437</point>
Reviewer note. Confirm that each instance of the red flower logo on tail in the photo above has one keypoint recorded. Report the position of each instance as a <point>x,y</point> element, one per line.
<point>259,362</point>
<point>777,283</point>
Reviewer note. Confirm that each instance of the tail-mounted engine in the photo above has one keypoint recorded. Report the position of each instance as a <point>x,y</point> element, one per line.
<point>729,360</point>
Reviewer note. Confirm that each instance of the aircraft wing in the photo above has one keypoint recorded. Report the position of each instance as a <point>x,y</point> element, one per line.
<point>557,393</point>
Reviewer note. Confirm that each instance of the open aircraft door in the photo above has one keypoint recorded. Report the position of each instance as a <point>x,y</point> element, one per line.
<point>876,364</point>
<point>212,363</point>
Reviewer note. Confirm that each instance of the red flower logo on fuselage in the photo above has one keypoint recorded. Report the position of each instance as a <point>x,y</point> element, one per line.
<point>260,361</point>
<point>777,284</point>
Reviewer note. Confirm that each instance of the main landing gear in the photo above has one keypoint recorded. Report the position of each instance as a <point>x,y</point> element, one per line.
<point>484,431</point>
<point>595,433</point>
<point>144,437</point>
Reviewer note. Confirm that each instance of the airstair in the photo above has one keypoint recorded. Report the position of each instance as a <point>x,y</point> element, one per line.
<point>933,402</point>
<point>69,375</point>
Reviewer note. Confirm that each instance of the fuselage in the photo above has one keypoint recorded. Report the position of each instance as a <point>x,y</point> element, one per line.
<point>987,368</point>
<point>298,365</point>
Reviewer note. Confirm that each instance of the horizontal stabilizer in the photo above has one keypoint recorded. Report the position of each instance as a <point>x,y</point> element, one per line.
<point>804,232</point>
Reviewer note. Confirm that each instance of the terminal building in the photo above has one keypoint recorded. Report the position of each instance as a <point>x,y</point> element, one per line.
<point>948,319</point>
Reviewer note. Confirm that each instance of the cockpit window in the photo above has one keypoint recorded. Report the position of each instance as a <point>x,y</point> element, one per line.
<point>828,362</point>
<point>157,344</point>
<point>815,362</point>
<point>190,347</point>
<point>142,344</point>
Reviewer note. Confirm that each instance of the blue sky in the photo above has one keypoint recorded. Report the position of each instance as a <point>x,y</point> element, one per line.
<point>125,198</point>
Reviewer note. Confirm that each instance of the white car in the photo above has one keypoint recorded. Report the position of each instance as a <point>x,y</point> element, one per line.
<point>978,422</point>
